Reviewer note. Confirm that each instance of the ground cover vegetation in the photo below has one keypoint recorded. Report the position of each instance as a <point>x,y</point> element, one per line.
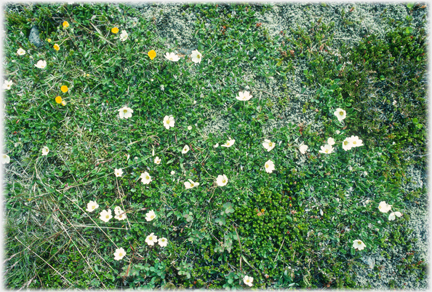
<point>104,117</point>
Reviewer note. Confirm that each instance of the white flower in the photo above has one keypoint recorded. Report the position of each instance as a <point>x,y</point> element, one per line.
<point>355,141</point>
<point>268,145</point>
<point>172,172</point>
<point>5,158</point>
<point>168,122</point>
<point>392,215</point>
<point>244,95</point>
<point>157,160</point>
<point>105,215</point>
<point>117,210</point>
<point>216,146</point>
<point>269,166</point>
<point>399,214</point>
<point>145,178</point>
<point>91,206</point>
<point>365,173</point>
<point>118,172</point>
<point>45,150</point>
<point>337,132</point>
<point>340,114</point>
<point>229,143</point>
<point>172,57</point>
<point>384,207</point>
<point>330,141</point>
<point>125,112</point>
<point>120,214</point>
<point>162,88</point>
<point>163,241</point>
<point>248,280</point>
<point>196,56</point>
<point>41,64</point>
<point>327,149</point>
<point>21,52</point>
<point>358,244</point>
<point>394,102</point>
<point>221,180</point>
<point>185,149</point>
<point>150,215</point>
<point>346,144</point>
<point>151,239</point>
<point>123,36</point>
<point>190,184</point>
<point>7,84</point>
<point>189,128</point>
<point>119,254</point>
<point>303,148</point>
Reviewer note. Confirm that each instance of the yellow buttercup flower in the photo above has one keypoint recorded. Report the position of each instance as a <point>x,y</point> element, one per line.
<point>114,30</point>
<point>56,47</point>
<point>64,88</point>
<point>58,99</point>
<point>65,24</point>
<point>152,54</point>
<point>49,40</point>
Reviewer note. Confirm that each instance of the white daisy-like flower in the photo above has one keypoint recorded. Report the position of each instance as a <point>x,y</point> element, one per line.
<point>117,210</point>
<point>163,242</point>
<point>190,184</point>
<point>269,166</point>
<point>229,143</point>
<point>221,180</point>
<point>118,172</point>
<point>358,244</point>
<point>21,51</point>
<point>45,150</point>
<point>172,57</point>
<point>157,160</point>
<point>91,206</point>
<point>151,239</point>
<point>120,214</point>
<point>327,149</point>
<point>7,84</point>
<point>330,141</point>
<point>393,214</point>
<point>216,145</point>
<point>145,178</point>
<point>384,207</point>
<point>248,280</point>
<point>105,215</point>
<point>124,35</point>
<point>346,144</point>
<point>5,159</point>
<point>168,122</point>
<point>185,149</point>
<point>41,64</point>
<point>189,128</point>
<point>119,254</point>
<point>150,215</point>
<point>172,172</point>
<point>268,144</point>
<point>394,102</point>
<point>244,95</point>
<point>303,148</point>
<point>340,114</point>
<point>355,141</point>
<point>196,56</point>
<point>125,112</point>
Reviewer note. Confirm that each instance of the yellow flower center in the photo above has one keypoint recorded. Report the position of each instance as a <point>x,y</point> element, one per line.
<point>150,238</point>
<point>147,177</point>
<point>267,165</point>
<point>341,113</point>
<point>107,216</point>
<point>270,144</point>
<point>326,151</point>
<point>345,142</point>
<point>167,121</point>
<point>120,254</point>
<point>354,142</point>
<point>93,207</point>
<point>379,207</point>
<point>125,111</point>
<point>191,185</point>
<point>198,56</point>
<point>224,181</point>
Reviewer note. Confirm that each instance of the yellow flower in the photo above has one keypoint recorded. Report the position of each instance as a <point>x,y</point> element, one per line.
<point>114,30</point>
<point>56,47</point>
<point>58,99</point>
<point>49,40</point>
<point>152,54</point>
<point>64,88</point>
<point>65,24</point>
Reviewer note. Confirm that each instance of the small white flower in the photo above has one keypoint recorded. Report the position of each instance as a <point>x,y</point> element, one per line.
<point>229,143</point>
<point>157,160</point>
<point>391,216</point>
<point>365,173</point>
<point>216,145</point>
<point>125,112</point>
<point>120,214</point>
<point>105,215</point>
<point>399,214</point>
<point>168,122</point>
<point>91,206</point>
<point>196,56</point>
<point>384,207</point>
<point>172,57</point>
<point>119,254</point>
<point>118,172</point>
<point>268,145</point>
<point>45,150</point>
<point>123,36</point>
<point>337,132</point>
<point>330,141</point>
<point>355,141</point>
<point>303,148</point>
<point>189,128</point>
<point>117,210</point>
<point>21,52</point>
<point>7,84</point>
<point>145,178</point>
<point>248,280</point>
<point>346,144</point>
<point>163,242</point>
<point>394,102</point>
<point>221,180</point>
<point>269,166</point>
<point>244,95</point>
<point>41,64</point>
<point>5,159</point>
<point>327,149</point>
<point>150,215</point>
<point>151,239</point>
<point>185,149</point>
<point>358,244</point>
<point>172,172</point>
<point>340,114</point>
<point>190,184</point>
<point>162,88</point>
